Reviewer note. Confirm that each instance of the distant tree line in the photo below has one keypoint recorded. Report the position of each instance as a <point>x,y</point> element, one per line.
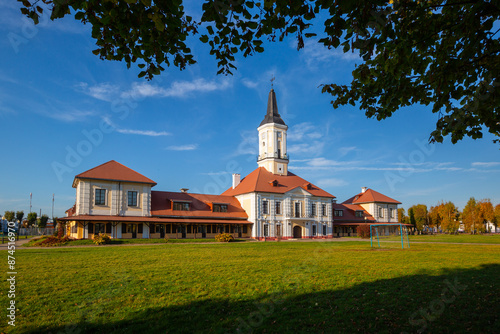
<point>445,216</point>
<point>31,220</point>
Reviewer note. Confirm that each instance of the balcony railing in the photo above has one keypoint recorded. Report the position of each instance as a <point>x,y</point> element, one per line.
<point>273,155</point>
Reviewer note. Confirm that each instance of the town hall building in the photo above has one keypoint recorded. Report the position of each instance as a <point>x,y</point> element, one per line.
<point>269,203</point>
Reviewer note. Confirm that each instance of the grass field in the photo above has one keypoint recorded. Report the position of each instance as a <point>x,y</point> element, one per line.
<point>285,287</point>
<point>451,238</point>
<point>86,242</point>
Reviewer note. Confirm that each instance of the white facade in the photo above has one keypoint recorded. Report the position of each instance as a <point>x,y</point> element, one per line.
<point>114,198</point>
<point>272,148</point>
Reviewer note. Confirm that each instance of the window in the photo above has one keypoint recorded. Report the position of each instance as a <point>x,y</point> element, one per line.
<point>99,228</point>
<point>266,230</point>
<point>381,212</point>
<point>181,206</point>
<point>168,228</point>
<point>226,228</point>
<point>313,209</point>
<point>277,206</point>
<point>158,228</point>
<point>131,228</point>
<point>189,229</point>
<point>245,229</point>
<point>324,229</point>
<point>339,213</point>
<point>297,209</point>
<point>323,209</point>
<point>314,230</point>
<point>139,228</point>
<point>132,198</point>
<point>359,214</point>
<point>108,228</point>
<point>391,212</point>
<point>220,208</point>
<point>74,228</point>
<point>265,207</point>
<point>124,228</point>
<point>90,228</point>
<point>100,197</point>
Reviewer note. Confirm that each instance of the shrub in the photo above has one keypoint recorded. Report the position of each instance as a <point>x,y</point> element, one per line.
<point>53,241</point>
<point>224,237</point>
<point>363,231</point>
<point>101,238</point>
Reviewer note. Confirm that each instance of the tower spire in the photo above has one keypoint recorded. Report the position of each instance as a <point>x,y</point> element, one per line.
<point>272,115</point>
<point>272,139</point>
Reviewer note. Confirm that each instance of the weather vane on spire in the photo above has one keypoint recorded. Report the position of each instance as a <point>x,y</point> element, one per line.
<point>272,81</point>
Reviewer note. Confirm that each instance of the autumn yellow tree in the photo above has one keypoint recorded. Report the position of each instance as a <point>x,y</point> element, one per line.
<point>434,217</point>
<point>420,214</point>
<point>496,219</point>
<point>470,216</point>
<point>448,214</point>
<point>486,213</point>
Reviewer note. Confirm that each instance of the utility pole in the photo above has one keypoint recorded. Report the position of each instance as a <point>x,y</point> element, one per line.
<point>52,207</point>
<point>31,194</point>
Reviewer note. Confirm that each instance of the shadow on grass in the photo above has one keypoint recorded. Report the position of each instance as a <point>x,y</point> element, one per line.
<point>455,301</point>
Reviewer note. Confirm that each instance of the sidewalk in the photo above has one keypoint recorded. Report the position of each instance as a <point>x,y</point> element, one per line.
<point>19,243</point>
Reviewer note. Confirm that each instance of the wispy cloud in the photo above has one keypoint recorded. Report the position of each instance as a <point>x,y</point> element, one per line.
<point>314,53</point>
<point>345,150</point>
<point>176,89</point>
<point>189,147</point>
<point>103,91</point>
<point>150,133</point>
<point>249,83</point>
<point>331,182</point>
<point>485,164</point>
<point>139,90</point>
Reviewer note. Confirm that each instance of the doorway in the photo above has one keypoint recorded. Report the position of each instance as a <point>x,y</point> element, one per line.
<point>297,232</point>
<point>133,230</point>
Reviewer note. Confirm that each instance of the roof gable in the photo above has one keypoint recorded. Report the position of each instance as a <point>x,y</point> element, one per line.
<point>114,171</point>
<point>261,180</point>
<point>370,196</point>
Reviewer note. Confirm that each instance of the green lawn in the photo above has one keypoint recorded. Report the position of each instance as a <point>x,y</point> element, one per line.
<point>459,238</point>
<point>285,287</point>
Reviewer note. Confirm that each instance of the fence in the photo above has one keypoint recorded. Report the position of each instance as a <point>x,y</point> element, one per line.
<point>36,231</point>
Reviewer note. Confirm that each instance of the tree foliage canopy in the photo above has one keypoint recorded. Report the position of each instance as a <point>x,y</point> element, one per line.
<point>10,216</point>
<point>434,52</point>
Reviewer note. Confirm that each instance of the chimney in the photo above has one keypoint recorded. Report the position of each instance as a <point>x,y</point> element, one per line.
<point>184,190</point>
<point>363,189</point>
<point>236,180</point>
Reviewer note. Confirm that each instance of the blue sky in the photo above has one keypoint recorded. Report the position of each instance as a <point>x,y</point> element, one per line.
<point>64,111</point>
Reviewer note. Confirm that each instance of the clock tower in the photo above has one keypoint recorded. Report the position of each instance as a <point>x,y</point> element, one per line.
<point>272,139</point>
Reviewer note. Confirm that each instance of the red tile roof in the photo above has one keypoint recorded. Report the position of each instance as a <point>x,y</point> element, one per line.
<point>200,205</point>
<point>350,213</point>
<point>370,196</point>
<point>137,219</point>
<point>261,180</point>
<point>114,171</point>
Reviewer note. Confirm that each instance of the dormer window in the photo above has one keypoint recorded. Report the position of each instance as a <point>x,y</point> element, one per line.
<point>181,206</point>
<point>339,213</point>
<point>359,214</point>
<point>274,183</point>
<point>219,208</point>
